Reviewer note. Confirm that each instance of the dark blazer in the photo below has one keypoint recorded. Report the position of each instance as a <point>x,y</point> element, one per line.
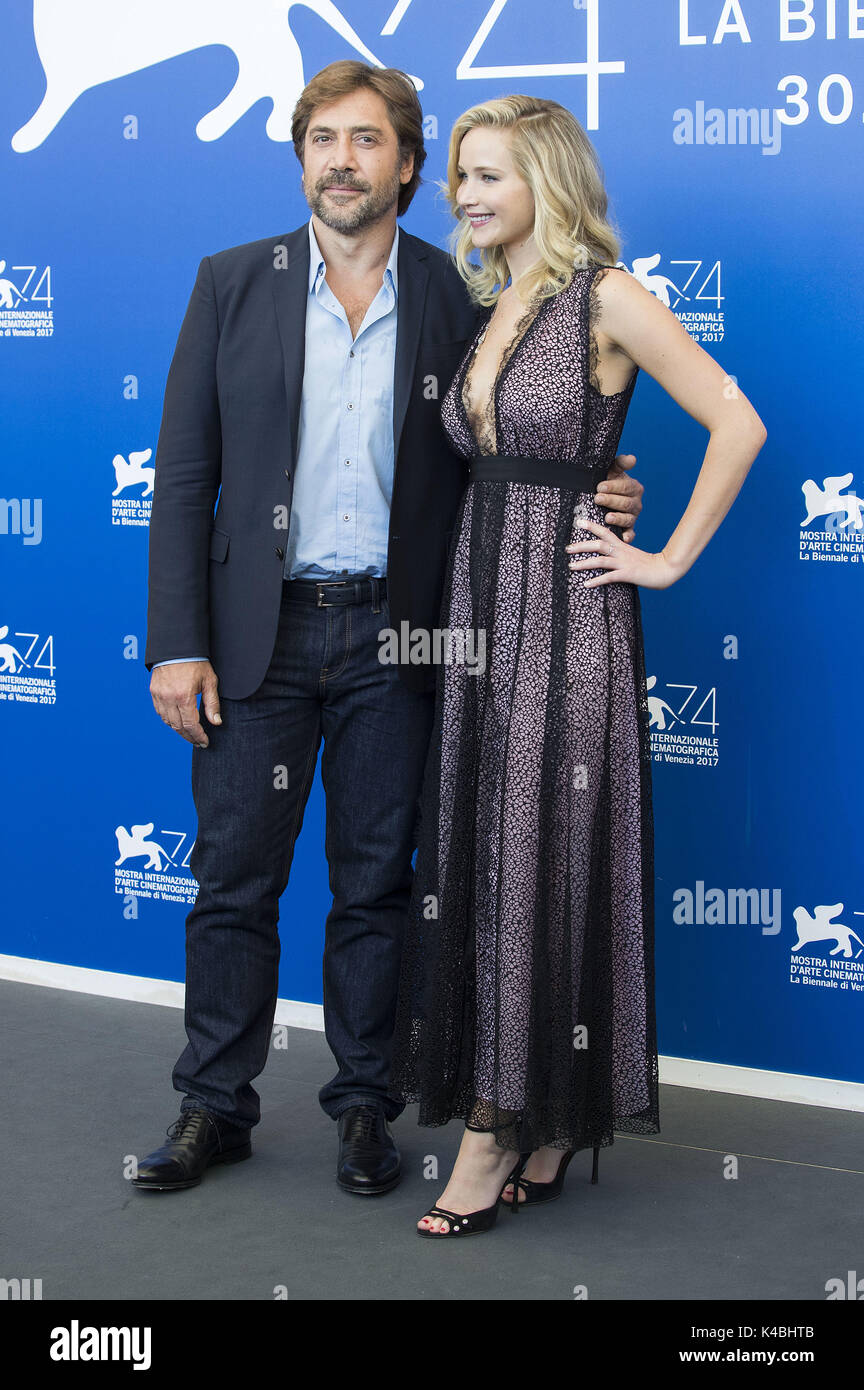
<point>228,439</point>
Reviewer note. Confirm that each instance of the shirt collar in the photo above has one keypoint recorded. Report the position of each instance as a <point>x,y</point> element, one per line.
<point>316,260</point>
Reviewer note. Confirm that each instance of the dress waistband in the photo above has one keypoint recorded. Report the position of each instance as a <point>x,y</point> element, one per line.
<point>580,476</point>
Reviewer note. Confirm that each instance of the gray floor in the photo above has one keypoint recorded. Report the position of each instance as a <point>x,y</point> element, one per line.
<point>87,1081</point>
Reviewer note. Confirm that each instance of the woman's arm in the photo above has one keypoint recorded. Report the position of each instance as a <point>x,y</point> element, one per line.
<point>638,326</point>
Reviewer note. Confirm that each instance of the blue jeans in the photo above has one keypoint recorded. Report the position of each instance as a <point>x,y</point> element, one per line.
<point>250,788</point>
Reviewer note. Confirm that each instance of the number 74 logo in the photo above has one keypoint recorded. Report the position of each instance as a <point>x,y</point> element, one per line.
<point>663,716</point>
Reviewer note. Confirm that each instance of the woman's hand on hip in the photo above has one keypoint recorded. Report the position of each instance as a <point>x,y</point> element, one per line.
<point>622,562</point>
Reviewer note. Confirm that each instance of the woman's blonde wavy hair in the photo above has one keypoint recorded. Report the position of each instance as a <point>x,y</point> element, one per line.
<point>554,156</point>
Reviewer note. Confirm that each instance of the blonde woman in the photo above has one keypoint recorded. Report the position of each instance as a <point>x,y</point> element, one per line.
<point>527,993</point>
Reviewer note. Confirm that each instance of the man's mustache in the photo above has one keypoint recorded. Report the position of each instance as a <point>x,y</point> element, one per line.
<point>334,182</point>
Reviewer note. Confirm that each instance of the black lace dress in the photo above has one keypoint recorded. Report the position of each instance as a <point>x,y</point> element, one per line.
<point>526,1001</point>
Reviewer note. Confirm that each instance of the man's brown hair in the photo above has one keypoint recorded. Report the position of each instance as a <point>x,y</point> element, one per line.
<point>397,91</point>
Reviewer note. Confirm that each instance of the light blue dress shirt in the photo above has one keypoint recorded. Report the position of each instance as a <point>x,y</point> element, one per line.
<point>343,479</point>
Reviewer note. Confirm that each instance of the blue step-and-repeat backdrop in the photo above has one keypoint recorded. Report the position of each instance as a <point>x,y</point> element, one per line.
<point>136,138</point>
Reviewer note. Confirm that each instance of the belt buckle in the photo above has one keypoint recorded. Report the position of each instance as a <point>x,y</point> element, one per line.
<point>330,584</point>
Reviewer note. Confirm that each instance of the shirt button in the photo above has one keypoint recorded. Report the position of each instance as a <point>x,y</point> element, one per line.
<point>350,405</point>
<point>346,516</point>
<point>351,353</point>
<point>347,463</point>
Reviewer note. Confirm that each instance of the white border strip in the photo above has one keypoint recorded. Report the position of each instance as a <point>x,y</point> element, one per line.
<point>674,1071</point>
<point>138,988</point>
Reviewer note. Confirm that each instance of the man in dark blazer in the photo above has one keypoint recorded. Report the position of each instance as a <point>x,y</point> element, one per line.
<point>304,500</point>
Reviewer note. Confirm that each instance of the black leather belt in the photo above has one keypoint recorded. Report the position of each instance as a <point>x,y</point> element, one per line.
<point>582,475</point>
<point>325,592</point>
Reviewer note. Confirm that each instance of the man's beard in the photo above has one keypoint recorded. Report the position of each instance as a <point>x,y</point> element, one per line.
<point>362,212</point>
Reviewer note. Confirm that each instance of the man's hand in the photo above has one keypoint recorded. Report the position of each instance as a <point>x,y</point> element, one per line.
<point>175,690</point>
<point>622,494</point>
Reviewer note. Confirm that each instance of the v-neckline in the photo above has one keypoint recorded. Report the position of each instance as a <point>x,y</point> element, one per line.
<point>511,347</point>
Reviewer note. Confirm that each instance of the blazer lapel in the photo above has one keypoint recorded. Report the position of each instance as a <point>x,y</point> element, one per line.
<point>290,291</point>
<point>413,283</point>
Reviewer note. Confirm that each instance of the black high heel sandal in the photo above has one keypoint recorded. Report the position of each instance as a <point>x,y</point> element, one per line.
<point>474,1222</point>
<point>537,1192</point>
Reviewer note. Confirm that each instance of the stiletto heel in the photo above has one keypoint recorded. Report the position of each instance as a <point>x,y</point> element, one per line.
<point>538,1192</point>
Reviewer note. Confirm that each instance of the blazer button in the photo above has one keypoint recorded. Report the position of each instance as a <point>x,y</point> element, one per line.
<point>280,552</point>
<point>287,472</point>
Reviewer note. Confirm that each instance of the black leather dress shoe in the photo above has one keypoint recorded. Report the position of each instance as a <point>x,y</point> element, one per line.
<point>198,1140</point>
<point>368,1156</point>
